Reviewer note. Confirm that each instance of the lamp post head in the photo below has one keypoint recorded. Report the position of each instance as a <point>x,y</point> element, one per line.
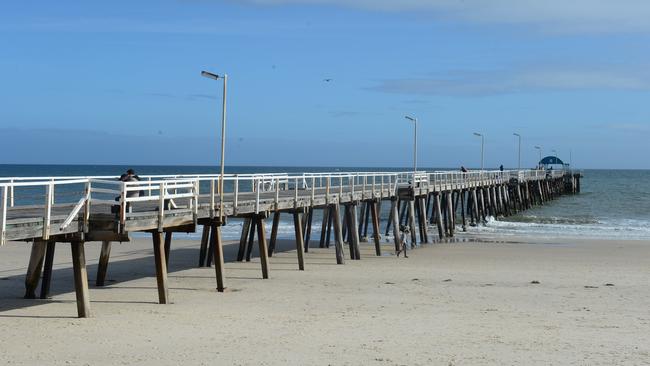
<point>210,75</point>
<point>477,134</point>
<point>538,148</point>
<point>516,134</point>
<point>411,118</point>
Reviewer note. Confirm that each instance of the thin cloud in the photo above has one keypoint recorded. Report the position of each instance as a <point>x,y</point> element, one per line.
<point>481,83</point>
<point>557,16</point>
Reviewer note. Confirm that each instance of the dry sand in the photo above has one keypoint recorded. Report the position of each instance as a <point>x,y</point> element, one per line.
<point>447,304</point>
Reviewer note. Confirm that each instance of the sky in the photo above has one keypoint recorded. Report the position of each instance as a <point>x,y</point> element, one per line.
<point>118,82</point>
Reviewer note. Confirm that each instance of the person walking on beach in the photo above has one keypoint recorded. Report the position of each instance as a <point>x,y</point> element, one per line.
<point>463,169</point>
<point>405,236</point>
<point>501,167</point>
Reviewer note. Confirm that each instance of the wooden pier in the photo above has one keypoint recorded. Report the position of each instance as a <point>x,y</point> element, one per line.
<point>77,210</point>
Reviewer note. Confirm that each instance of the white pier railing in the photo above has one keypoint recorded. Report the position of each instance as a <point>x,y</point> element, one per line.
<point>72,196</point>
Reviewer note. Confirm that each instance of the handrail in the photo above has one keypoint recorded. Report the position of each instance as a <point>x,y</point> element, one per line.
<point>169,187</point>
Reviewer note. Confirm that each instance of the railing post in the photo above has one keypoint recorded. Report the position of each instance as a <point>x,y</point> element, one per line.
<point>277,192</point>
<point>3,211</point>
<point>48,211</point>
<point>11,193</point>
<point>236,197</point>
<point>123,205</point>
<point>212,198</point>
<point>327,189</point>
<point>197,189</point>
<point>257,197</point>
<point>87,206</point>
<point>161,207</point>
<point>295,193</point>
<point>313,189</point>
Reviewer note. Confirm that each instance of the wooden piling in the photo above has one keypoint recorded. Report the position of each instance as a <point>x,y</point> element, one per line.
<point>394,217</point>
<point>251,239</point>
<point>168,244</point>
<point>411,222</point>
<point>34,268</point>
<point>274,232</point>
<point>243,240</point>
<point>462,209</point>
<point>203,251</point>
<point>439,216</point>
<point>323,230</point>
<point>81,278</point>
<point>375,226</point>
<point>261,240</point>
<point>102,266</point>
<point>450,213</point>
<point>217,247</point>
<point>297,223</point>
<point>161,267</point>
<point>338,235</point>
<point>47,269</point>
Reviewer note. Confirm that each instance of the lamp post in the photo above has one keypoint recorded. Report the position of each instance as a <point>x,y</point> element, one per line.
<point>223,135</point>
<point>415,147</point>
<point>540,154</point>
<point>482,146</point>
<point>519,153</point>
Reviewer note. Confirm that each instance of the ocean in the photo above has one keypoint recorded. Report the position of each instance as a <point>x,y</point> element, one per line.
<point>613,204</point>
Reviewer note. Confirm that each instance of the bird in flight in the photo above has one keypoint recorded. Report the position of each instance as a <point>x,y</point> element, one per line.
<point>327,80</point>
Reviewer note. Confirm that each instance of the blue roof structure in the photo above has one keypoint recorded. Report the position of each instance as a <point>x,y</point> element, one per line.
<point>551,160</point>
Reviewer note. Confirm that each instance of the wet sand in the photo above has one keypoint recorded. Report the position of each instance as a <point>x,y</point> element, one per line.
<point>517,301</point>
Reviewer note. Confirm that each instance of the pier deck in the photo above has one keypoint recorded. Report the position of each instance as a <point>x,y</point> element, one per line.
<point>47,210</point>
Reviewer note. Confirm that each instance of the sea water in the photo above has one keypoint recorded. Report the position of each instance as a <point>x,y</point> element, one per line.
<point>613,204</point>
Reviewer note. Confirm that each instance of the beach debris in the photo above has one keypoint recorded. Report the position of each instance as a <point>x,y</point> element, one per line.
<point>534,282</point>
<point>487,284</point>
<point>609,284</point>
<point>415,279</point>
<point>591,286</point>
<point>389,283</point>
<point>447,280</point>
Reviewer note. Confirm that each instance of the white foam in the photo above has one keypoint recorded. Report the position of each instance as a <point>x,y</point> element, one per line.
<point>612,229</point>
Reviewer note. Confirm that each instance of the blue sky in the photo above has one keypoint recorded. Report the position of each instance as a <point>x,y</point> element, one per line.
<point>119,81</point>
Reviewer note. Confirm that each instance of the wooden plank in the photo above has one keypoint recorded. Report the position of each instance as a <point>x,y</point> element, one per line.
<point>261,239</point>
<point>161,267</point>
<point>297,223</point>
<point>102,266</point>
<point>47,269</point>
<point>34,268</point>
<point>80,279</point>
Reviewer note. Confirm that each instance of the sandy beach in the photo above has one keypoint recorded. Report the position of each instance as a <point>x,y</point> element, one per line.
<point>523,302</point>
